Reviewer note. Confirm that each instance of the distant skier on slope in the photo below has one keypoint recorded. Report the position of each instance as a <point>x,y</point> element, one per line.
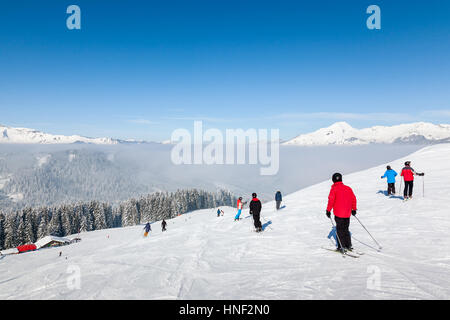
<point>147,229</point>
<point>219,212</point>
<point>343,202</point>
<point>163,225</point>
<point>278,199</point>
<point>255,211</point>
<point>390,175</point>
<point>240,205</point>
<point>408,177</point>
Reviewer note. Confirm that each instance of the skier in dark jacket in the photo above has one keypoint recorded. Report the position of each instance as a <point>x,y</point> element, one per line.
<point>147,229</point>
<point>163,225</point>
<point>255,211</point>
<point>408,174</point>
<point>343,202</point>
<point>278,199</point>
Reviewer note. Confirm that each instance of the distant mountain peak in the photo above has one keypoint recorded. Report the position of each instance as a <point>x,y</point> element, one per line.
<point>31,136</point>
<point>341,133</point>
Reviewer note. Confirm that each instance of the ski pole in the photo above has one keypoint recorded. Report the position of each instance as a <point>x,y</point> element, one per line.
<point>337,237</point>
<point>368,231</point>
<point>423,186</point>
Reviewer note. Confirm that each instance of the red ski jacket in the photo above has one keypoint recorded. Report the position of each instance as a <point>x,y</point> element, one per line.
<point>342,200</point>
<point>408,173</point>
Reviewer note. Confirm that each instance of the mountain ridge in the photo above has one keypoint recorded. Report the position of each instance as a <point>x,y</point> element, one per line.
<point>341,133</point>
<point>18,135</point>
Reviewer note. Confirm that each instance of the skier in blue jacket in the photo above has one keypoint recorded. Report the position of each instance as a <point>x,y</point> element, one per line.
<point>390,175</point>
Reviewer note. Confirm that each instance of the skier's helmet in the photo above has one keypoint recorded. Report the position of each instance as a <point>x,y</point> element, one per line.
<point>337,177</point>
<point>388,167</point>
<point>254,195</point>
<point>407,163</point>
<point>240,198</point>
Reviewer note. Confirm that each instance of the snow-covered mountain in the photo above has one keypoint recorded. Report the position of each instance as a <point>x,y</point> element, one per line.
<point>32,136</point>
<point>341,133</point>
<point>202,256</point>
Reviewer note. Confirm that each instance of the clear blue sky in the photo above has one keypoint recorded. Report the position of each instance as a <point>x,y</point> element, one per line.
<point>140,69</point>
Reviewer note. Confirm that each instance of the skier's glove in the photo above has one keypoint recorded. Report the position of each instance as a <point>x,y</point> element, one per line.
<point>353,212</point>
<point>329,214</point>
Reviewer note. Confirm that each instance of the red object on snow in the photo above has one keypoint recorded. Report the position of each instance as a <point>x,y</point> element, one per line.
<point>26,247</point>
<point>342,200</point>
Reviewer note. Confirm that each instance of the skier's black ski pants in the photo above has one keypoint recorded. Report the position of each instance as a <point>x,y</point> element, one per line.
<point>343,233</point>
<point>256,220</point>
<point>278,204</point>
<point>391,188</point>
<point>408,188</point>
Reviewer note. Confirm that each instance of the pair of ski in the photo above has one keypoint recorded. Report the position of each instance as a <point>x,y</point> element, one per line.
<point>346,253</point>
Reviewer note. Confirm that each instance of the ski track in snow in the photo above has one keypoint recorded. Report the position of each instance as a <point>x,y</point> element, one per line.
<point>202,256</point>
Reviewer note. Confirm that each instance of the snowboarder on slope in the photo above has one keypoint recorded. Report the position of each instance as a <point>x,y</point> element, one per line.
<point>278,199</point>
<point>390,175</point>
<point>147,229</point>
<point>255,211</point>
<point>408,176</point>
<point>240,205</point>
<point>343,202</point>
<point>163,225</point>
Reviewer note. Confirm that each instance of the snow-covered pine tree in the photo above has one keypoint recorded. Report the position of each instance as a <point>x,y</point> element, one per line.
<point>25,229</point>
<point>35,224</point>
<point>87,220</point>
<point>55,225</point>
<point>11,239</point>
<point>130,214</point>
<point>66,219</point>
<point>2,231</point>
<point>108,212</point>
<point>97,211</point>
<point>44,215</point>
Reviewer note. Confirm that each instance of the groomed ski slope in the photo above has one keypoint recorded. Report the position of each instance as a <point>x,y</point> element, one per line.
<point>202,256</point>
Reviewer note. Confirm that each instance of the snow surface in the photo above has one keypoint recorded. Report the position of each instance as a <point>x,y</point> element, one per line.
<point>341,133</point>
<point>202,256</point>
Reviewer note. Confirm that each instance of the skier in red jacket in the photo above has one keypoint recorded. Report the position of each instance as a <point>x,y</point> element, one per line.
<point>343,202</point>
<point>408,176</point>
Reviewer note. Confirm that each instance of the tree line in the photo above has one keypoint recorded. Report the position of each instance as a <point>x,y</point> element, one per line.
<point>30,224</point>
